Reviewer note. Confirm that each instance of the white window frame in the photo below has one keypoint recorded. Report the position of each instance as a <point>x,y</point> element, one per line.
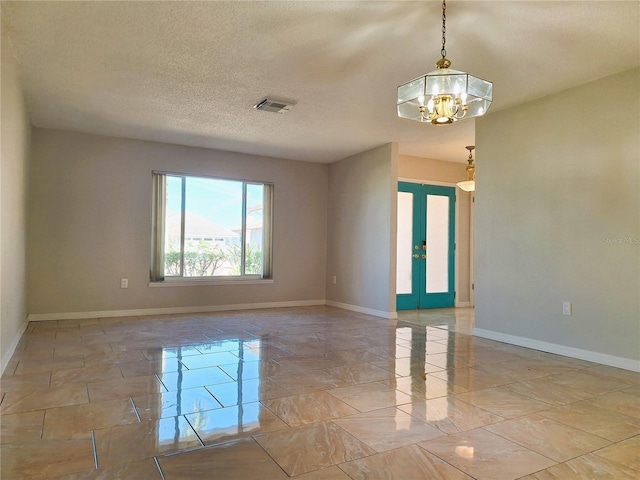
<point>158,227</point>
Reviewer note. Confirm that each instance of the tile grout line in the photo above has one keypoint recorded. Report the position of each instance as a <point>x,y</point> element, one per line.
<point>342,470</point>
<point>253,438</point>
<point>160,380</point>
<point>135,409</point>
<point>194,431</point>
<point>16,368</point>
<point>155,459</point>
<point>95,449</point>
<point>444,460</point>
<point>567,405</point>
<point>558,462</point>
<point>44,419</point>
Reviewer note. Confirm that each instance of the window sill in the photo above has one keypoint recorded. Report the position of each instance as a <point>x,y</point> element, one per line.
<point>208,282</point>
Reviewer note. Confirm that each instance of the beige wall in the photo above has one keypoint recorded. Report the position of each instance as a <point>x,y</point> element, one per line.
<point>14,154</point>
<point>361,230</point>
<point>558,219</point>
<point>90,216</point>
<point>429,170</point>
<point>418,168</point>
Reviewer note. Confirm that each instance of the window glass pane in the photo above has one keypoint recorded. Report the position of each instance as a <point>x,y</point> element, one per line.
<point>437,244</point>
<point>255,227</point>
<point>172,222</point>
<point>213,209</point>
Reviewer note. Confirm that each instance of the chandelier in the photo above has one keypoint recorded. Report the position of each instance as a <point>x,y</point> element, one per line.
<point>444,95</point>
<point>469,185</point>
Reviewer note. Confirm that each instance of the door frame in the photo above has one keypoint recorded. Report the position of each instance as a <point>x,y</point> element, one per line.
<point>472,239</point>
<point>456,259</point>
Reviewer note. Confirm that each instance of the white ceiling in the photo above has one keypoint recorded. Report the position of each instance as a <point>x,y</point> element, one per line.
<point>190,72</point>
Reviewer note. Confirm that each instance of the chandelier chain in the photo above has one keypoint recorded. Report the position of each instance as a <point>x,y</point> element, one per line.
<point>443,52</point>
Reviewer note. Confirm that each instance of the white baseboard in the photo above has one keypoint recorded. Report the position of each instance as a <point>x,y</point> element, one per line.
<point>368,311</point>
<point>596,357</point>
<point>6,356</point>
<point>37,317</point>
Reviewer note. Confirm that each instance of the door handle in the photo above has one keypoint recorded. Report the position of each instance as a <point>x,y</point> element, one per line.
<point>415,255</point>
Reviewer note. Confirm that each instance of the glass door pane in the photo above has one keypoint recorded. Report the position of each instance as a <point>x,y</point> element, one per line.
<point>405,241</point>
<point>437,234</point>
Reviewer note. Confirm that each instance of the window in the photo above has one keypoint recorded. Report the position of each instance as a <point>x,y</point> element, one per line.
<point>206,227</point>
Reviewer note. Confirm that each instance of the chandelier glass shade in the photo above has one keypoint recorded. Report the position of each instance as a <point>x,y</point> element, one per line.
<point>444,95</point>
<point>467,185</point>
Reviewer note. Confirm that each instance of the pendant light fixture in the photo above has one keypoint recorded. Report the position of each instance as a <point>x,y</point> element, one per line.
<point>444,95</point>
<point>469,185</point>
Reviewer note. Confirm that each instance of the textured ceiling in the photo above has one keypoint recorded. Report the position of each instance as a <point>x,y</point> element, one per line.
<point>190,72</point>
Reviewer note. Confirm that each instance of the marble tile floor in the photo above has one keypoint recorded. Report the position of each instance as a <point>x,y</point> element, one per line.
<point>310,393</point>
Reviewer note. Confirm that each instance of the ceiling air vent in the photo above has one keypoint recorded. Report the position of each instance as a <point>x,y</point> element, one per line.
<point>275,106</point>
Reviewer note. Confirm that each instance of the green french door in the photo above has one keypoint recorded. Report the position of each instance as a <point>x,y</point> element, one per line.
<point>425,249</point>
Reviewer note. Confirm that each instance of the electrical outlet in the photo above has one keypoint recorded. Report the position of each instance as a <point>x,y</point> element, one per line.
<point>334,280</point>
<point>567,307</point>
<point>124,283</point>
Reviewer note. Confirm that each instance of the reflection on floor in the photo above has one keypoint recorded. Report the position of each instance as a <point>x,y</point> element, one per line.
<point>315,393</point>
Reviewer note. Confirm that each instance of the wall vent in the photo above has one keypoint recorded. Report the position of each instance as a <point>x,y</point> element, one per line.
<point>275,106</point>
